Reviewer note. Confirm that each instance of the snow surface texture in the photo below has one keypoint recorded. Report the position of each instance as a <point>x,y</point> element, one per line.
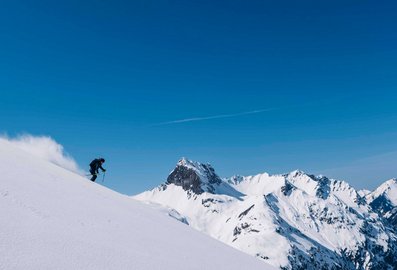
<point>292,221</point>
<point>52,218</point>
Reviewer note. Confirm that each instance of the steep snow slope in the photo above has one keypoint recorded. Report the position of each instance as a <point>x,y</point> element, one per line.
<point>54,219</point>
<point>292,221</point>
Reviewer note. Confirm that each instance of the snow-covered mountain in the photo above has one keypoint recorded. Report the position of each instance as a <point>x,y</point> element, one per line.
<point>52,218</point>
<point>384,201</point>
<point>292,221</point>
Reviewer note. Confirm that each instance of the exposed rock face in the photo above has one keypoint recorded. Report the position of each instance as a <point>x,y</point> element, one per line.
<point>186,178</point>
<point>194,176</point>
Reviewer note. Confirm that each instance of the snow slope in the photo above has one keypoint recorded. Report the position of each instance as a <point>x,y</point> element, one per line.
<point>52,218</point>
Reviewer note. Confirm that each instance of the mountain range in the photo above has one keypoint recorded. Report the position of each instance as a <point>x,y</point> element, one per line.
<point>291,221</point>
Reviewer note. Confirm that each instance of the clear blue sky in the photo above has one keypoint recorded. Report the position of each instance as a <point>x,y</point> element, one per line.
<point>99,76</point>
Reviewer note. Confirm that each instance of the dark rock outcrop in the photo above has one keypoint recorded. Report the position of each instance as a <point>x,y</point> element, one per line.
<point>194,176</point>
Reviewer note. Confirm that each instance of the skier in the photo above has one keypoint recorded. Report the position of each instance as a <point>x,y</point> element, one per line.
<point>95,165</point>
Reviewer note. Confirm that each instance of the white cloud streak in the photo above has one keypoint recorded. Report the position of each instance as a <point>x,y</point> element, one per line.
<point>194,119</point>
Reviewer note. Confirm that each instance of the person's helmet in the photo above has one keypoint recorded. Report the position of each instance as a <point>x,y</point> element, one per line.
<point>102,160</point>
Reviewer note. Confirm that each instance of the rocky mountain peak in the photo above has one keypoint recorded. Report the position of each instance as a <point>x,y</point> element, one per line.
<point>194,176</point>
<point>313,185</point>
<point>384,200</point>
<point>187,163</point>
<point>296,173</point>
<point>388,189</point>
<point>388,185</point>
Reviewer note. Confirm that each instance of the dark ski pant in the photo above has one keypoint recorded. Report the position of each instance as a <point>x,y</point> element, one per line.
<point>94,175</point>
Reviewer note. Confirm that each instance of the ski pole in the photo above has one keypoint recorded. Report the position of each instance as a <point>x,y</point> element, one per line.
<point>103,177</point>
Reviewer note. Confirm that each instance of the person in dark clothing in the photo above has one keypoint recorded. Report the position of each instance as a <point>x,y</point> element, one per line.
<point>95,165</point>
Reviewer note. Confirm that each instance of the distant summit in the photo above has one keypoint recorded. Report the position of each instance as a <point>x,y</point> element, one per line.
<point>384,200</point>
<point>194,176</point>
<point>199,178</point>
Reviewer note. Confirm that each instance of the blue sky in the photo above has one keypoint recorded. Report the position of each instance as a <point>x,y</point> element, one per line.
<point>272,85</point>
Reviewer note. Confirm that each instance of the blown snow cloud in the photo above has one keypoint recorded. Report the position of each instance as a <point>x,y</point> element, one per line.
<point>46,148</point>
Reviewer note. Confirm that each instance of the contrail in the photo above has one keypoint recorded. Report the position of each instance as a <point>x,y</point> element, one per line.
<point>210,117</point>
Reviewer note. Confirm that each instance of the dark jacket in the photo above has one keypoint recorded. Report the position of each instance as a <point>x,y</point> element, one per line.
<point>95,165</point>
